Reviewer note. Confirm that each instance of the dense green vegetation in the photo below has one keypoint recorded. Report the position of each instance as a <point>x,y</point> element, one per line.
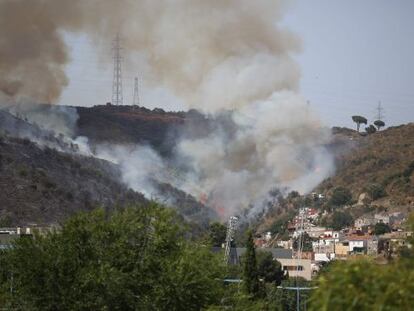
<point>135,259</point>
<point>340,196</point>
<point>143,258</point>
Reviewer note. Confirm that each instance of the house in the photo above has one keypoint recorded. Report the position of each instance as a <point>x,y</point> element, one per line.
<point>342,250</point>
<point>297,267</point>
<point>236,253</point>
<point>6,240</point>
<point>364,221</point>
<point>391,243</point>
<point>363,244</point>
<point>389,218</point>
<point>7,236</point>
<point>315,232</point>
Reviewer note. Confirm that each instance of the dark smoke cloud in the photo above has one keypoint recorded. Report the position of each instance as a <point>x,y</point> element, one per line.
<point>213,54</point>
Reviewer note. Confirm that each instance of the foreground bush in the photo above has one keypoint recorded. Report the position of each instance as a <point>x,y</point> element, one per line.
<point>136,259</point>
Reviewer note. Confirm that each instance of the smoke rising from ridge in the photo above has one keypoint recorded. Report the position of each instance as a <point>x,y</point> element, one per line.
<point>215,55</point>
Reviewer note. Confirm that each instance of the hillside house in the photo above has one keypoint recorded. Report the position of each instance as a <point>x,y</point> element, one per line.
<point>389,218</point>
<point>363,244</point>
<point>236,253</point>
<point>364,221</point>
<point>391,243</point>
<point>297,267</point>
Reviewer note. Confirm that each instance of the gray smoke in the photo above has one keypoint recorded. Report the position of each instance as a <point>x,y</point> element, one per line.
<point>216,55</point>
<point>212,53</point>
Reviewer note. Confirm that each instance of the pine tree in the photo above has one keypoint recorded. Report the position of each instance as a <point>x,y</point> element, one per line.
<point>250,273</point>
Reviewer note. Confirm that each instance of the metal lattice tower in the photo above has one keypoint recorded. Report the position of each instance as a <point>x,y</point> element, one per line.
<point>301,230</point>
<point>135,100</point>
<point>380,114</point>
<point>117,98</point>
<point>231,228</point>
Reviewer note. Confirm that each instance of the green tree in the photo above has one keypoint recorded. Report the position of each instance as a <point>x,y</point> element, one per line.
<point>376,191</point>
<point>217,233</point>
<point>379,124</point>
<point>340,196</point>
<point>381,228</point>
<point>370,129</point>
<point>135,259</point>
<point>340,220</point>
<point>269,269</point>
<point>250,273</point>
<point>306,242</point>
<point>359,120</point>
<point>363,285</point>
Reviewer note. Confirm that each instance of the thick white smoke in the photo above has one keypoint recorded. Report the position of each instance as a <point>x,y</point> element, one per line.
<point>216,55</point>
<point>278,143</point>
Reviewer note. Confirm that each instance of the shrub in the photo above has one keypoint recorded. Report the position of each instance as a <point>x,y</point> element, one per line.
<point>376,191</point>
<point>340,196</point>
<point>381,228</point>
<point>409,170</point>
<point>340,220</point>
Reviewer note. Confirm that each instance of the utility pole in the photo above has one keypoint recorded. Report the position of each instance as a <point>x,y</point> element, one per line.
<point>380,114</point>
<point>135,101</point>
<point>117,98</point>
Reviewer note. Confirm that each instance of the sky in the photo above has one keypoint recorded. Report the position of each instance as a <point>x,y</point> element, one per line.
<point>355,54</point>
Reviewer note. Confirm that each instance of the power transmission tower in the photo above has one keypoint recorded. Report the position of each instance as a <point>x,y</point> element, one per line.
<point>135,100</point>
<point>301,231</point>
<point>380,114</point>
<point>117,98</point>
<point>231,228</point>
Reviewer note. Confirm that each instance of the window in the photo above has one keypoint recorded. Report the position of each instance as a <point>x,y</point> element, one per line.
<point>293,268</point>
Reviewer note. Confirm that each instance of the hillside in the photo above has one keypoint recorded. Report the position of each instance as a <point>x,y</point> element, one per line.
<point>129,125</point>
<point>376,170</point>
<point>383,160</point>
<point>42,185</point>
<point>44,179</point>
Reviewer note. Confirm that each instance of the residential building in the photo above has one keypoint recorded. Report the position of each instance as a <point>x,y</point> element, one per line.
<point>236,253</point>
<point>364,221</point>
<point>297,267</point>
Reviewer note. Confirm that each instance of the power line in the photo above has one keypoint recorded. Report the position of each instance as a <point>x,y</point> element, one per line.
<point>117,98</point>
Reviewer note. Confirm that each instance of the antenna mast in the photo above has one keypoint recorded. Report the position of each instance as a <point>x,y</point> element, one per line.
<point>135,101</point>
<point>117,98</point>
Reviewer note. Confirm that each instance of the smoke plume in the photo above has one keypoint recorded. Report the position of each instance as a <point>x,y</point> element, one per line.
<point>216,55</point>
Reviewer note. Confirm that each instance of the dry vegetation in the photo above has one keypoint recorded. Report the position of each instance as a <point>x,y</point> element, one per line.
<point>384,159</point>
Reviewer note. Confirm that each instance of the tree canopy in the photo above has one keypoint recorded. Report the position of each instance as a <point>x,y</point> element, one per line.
<point>370,129</point>
<point>250,272</point>
<point>306,242</point>
<point>379,124</point>
<point>217,233</point>
<point>381,228</point>
<point>268,269</point>
<point>359,120</point>
<point>340,196</point>
<point>340,220</point>
<point>135,259</point>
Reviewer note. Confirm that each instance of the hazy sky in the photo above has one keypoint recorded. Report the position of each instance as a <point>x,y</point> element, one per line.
<point>355,54</point>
